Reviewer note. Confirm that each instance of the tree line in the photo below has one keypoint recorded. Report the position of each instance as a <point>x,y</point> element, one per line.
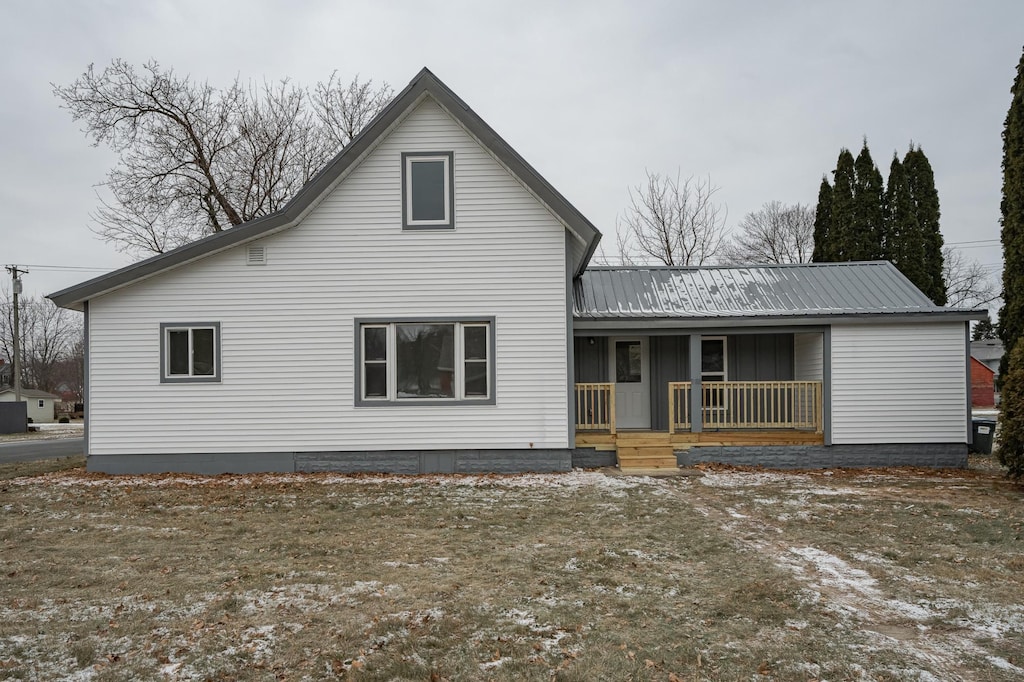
<point>860,218</point>
<point>51,343</point>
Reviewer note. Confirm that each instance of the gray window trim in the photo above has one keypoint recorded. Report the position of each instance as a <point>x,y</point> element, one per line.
<point>214,378</point>
<point>433,319</point>
<point>406,224</point>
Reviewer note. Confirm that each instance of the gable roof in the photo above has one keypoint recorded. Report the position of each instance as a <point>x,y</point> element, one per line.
<point>987,350</point>
<point>424,84</point>
<point>31,393</point>
<point>810,290</point>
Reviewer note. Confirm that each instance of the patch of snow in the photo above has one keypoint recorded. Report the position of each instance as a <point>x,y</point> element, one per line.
<point>837,572</point>
<point>1004,664</point>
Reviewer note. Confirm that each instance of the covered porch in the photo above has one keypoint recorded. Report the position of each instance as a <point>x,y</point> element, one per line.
<point>648,395</point>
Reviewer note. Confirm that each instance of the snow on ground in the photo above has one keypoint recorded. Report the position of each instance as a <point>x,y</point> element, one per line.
<point>46,432</point>
<point>573,479</point>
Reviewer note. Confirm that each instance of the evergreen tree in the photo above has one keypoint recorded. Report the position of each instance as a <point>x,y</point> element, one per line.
<point>1011,318</point>
<point>1011,419</point>
<point>869,209</point>
<point>984,330</point>
<point>822,224</point>
<point>904,243</point>
<point>842,236</point>
<point>921,181</point>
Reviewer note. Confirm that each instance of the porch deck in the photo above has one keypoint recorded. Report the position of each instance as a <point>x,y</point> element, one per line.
<point>729,414</point>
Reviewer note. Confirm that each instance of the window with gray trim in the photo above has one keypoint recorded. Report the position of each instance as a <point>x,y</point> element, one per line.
<point>428,180</point>
<point>190,352</point>
<point>431,361</point>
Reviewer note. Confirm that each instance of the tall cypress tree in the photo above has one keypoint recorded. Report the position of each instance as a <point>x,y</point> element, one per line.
<point>904,241</point>
<point>823,224</point>
<point>1011,317</point>
<point>842,233</point>
<point>869,213</point>
<point>921,181</point>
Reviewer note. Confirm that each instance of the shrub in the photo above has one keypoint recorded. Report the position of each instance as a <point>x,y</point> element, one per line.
<point>1011,419</point>
<point>63,420</point>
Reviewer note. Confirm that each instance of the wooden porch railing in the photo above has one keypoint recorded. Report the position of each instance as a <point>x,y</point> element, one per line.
<point>761,404</point>
<point>595,407</point>
<point>724,405</point>
<point>678,406</point>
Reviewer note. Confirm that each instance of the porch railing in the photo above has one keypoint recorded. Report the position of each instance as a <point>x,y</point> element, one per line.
<point>761,404</point>
<point>678,406</point>
<point>595,407</point>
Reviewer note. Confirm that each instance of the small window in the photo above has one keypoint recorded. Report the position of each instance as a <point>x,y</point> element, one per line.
<point>42,403</point>
<point>190,352</point>
<point>427,190</point>
<point>428,362</point>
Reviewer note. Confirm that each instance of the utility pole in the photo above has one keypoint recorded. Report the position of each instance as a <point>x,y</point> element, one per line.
<point>16,290</point>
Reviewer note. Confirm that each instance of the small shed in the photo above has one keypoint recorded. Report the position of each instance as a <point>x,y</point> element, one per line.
<point>983,390</point>
<point>40,403</point>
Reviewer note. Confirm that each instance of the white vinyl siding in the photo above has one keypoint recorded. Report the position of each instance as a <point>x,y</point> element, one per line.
<point>899,383</point>
<point>808,357</point>
<point>287,334</point>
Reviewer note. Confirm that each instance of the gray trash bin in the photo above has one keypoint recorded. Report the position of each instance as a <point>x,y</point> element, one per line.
<point>984,429</point>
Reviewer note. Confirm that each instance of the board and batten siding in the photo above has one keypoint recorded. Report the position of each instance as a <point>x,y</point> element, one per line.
<point>287,327</point>
<point>902,383</point>
<point>808,357</point>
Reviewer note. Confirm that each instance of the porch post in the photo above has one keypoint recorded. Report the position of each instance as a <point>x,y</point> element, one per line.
<point>696,409</point>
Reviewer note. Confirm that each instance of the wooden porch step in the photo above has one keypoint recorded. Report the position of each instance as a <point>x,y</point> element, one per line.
<point>646,457</point>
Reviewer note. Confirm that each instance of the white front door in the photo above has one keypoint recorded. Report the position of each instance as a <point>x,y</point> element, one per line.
<point>629,370</point>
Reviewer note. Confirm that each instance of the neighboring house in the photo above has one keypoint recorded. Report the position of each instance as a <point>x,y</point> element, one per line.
<point>989,352</point>
<point>431,289</point>
<point>982,384</point>
<point>6,373</point>
<point>40,403</point>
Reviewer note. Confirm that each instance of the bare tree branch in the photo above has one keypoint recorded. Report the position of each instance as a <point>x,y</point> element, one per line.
<point>195,159</point>
<point>48,338</point>
<point>776,233</point>
<point>671,221</point>
<point>967,283</point>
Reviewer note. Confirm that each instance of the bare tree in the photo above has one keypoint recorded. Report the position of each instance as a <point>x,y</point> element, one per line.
<point>967,283</point>
<point>777,233</point>
<point>48,338</point>
<point>671,221</point>
<point>195,159</point>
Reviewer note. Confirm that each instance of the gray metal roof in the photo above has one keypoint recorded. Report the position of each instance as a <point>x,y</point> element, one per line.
<point>756,291</point>
<point>425,83</point>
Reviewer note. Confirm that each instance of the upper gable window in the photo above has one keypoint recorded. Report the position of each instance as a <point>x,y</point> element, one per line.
<point>428,180</point>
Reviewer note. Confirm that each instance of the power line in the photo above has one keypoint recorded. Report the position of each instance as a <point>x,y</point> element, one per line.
<point>973,241</point>
<point>66,267</point>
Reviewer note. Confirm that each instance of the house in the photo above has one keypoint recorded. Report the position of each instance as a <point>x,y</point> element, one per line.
<point>989,352</point>
<point>432,291</point>
<point>40,403</point>
<point>6,373</point>
<point>982,384</point>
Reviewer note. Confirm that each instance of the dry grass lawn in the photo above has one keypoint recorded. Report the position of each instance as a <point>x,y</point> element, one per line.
<point>883,575</point>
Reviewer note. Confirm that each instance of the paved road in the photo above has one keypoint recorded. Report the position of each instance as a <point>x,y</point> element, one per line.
<point>29,450</point>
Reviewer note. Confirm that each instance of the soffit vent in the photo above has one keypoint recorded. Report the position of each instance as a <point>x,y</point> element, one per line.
<point>256,255</point>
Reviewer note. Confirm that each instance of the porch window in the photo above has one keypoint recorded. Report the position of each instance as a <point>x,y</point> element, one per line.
<point>190,352</point>
<point>426,362</point>
<point>628,362</point>
<point>714,367</point>
<point>427,190</point>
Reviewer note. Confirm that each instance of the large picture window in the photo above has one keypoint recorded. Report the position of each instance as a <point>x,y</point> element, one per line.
<point>428,180</point>
<point>426,361</point>
<point>190,352</point>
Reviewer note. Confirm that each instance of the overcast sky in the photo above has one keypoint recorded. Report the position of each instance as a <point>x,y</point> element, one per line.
<point>761,96</point>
